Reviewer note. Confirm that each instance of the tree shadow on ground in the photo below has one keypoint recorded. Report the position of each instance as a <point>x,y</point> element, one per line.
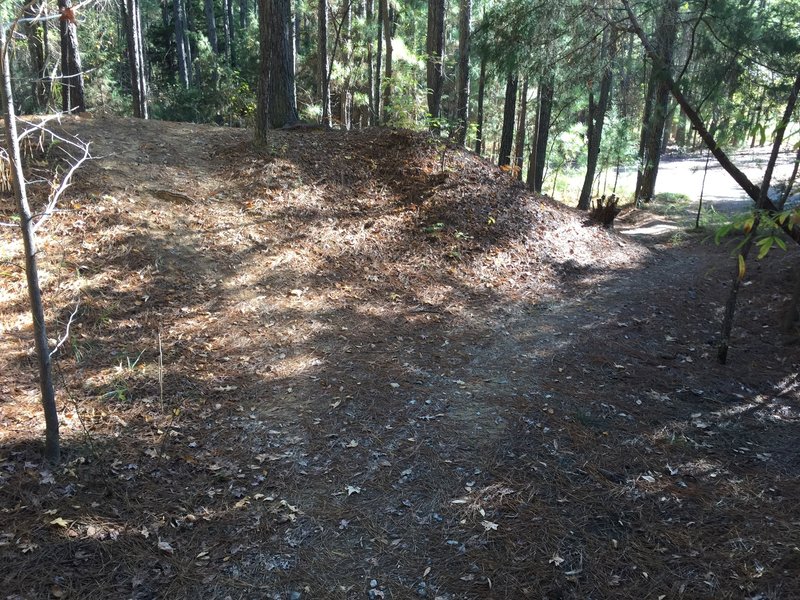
<point>331,413</point>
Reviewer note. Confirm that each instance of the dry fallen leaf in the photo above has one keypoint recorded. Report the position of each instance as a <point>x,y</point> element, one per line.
<point>489,526</point>
<point>556,560</point>
<point>60,522</point>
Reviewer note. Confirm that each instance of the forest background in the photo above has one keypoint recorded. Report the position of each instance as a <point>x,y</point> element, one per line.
<point>550,91</point>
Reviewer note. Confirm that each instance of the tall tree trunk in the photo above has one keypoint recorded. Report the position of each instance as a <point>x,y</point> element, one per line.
<point>346,94</point>
<point>756,124</point>
<point>519,147</point>
<point>165,13</point>
<point>462,82</point>
<point>244,15</point>
<point>388,32</point>
<point>378,67</point>
<point>666,31</point>
<point>52,447</point>
<point>509,112</point>
<point>181,55</point>
<point>72,95</point>
<point>211,26</point>
<point>479,145</point>
<point>277,105</point>
<point>530,179</point>
<point>227,34</point>
<point>322,54</point>
<point>370,72</point>
<point>36,32</point>
<point>136,59</point>
<point>546,91</point>
<point>680,131</point>
<point>597,114</point>
<point>434,47</point>
<point>227,6</point>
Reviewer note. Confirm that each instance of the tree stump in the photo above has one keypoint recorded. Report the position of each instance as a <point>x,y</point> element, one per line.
<point>605,210</point>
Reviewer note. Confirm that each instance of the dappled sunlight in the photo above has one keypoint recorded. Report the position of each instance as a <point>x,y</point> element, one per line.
<point>314,364</point>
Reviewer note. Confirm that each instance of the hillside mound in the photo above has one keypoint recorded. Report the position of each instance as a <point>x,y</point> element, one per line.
<point>374,197</point>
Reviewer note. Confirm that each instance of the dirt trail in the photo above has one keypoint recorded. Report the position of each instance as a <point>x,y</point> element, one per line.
<point>385,379</point>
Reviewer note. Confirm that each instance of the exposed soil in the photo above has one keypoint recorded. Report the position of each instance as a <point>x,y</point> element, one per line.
<point>361,365</point>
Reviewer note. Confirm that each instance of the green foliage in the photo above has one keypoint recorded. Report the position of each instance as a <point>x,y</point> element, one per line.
<point>770,229</point>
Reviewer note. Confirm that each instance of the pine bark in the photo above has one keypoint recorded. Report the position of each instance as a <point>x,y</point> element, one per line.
<point>230,30</point>
<point>519,146</point>
<point>597,114</point>
<point>370,63</point>
<point>546,93</point>
<point>277,106</point>
<point>72,93</point>
<point>509,112</point>
<point>211,26</point>
<point>136,58</point>
<point>462,83</point>
<point>378,66</point>
<point>181,45</point>
<point>322,55</point>
<point>388,32</point>
<point>666,33</point>
<point>244,14</point>
<point>479,119</point>
<point>36,33</point>
<point>434,48</point>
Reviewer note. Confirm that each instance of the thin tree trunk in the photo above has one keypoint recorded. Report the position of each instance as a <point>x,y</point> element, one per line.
<point>378,59</point>
<point>547,91</point>
<point>36,32</point>
<point>666,29</point>
<point>324,80</point>
<point>232,28</point>
<point>181,56</point>
<point>370,72</point>
<point>72,94</point>
<point>597,114</point>
<point>136,59</point>
<point>519,148</point>
<point>462,83</point>
<point>647,117</point>
<point>244,15</point>
<point>756,124</point>
<point>211,26</point>
<point>531,178</point>
<point>227,30</point>
<point>346,94</point>
<point>52,448</point>
<point>481,93</point>
<point>761,204</point>
<point>434,47</point>
<point>388,32</point>
<point>509,112</point>
<point>790,183</point>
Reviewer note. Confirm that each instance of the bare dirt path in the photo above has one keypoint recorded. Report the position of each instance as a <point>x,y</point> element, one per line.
<point>381,379</point>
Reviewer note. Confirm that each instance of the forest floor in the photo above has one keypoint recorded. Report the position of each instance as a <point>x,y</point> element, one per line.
<point>364,365</point>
